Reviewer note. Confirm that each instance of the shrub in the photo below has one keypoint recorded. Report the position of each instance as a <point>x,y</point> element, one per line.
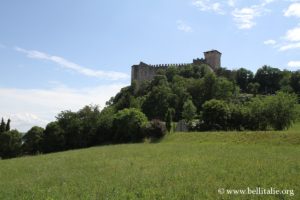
<point>128,125</point>
<point>216,114</point>
<point>155,129</point>
<point>258,118</point>
<point>239,117</point>
<point>281,110</point>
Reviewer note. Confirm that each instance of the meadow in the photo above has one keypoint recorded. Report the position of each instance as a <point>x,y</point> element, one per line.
<point>180,166</point>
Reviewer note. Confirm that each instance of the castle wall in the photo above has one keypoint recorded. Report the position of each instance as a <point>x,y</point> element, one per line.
<point>142,72</point>
<point>145,72</point>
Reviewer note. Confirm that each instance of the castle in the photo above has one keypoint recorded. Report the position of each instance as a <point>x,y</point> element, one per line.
<point>143,71</point>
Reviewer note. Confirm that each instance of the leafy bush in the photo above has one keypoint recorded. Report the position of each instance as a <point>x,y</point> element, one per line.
<point>261,113</point>
<point>155,129</point>
<point>281,110</point>
<point>216,114</point>
<point>258,114</point>
<point>128,125</point>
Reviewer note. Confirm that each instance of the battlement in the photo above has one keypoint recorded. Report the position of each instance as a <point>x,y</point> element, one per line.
<point>143,72</point>
<point>171,65</point>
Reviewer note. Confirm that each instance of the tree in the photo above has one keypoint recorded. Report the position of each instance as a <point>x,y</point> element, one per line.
<point>158,102</point>
<point>253,88</point>
<point>209,86</point>
<point>80,128</point>
<point>7,128</point>
<point>189,111</point>
<point>33,140</point>
<point>89,117</point>
<point>72,128</point>
<point>180,95</point>
<point>169,119</point>
<point>171,72</point>
<point>224,89</point>
<point>10,144</point>
<point>269,79</point>
<point>285,82</point>
<point>243,78</point>
<point>54,139</point>
<point>128,125</point>
<point>203,89</point>
<point>2,126</point>
<point>104,133</point>
<point>295,81</point>
<point>226,73</point>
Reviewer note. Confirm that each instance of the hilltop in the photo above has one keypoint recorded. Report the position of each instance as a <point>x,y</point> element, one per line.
<point>192,95</point>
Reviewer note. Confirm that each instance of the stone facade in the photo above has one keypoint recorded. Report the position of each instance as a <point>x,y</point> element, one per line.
<point>143,72</point>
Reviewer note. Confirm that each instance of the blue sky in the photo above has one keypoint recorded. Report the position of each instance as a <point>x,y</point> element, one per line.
<point>63,54</point>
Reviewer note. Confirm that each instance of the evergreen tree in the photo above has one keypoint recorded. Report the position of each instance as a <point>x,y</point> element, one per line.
<point>7,127</point>
<point>2,126</point>
<point>169,120</point>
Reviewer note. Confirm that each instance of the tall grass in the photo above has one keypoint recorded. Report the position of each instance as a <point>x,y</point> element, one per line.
<point>182,166</point>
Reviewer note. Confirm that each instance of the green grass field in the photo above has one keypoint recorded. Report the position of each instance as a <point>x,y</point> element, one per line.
<point>181,166</point>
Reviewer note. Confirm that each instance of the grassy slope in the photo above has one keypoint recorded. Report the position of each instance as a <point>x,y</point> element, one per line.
<point>182,166</point>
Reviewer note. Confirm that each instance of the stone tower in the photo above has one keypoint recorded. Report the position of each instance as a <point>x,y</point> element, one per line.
<point>213,58</point>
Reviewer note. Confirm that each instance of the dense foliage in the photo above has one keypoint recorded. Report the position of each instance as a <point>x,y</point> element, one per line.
<point>128,125</point>
<point>205,100</point>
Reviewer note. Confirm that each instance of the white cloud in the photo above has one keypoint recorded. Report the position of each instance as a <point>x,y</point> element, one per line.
<point>293,35</point>
<point>244,17</point>
<point>293,10</point>
<point>266,2</point>
<point>182,26</point>
<point>231,3</point>
<point>286,47</point>
<point>110,75</point>
<point>270,42</point>
<point>30,107</point>
<point>208,5</point>
<point>294,64</point>
<point>292,38</point>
